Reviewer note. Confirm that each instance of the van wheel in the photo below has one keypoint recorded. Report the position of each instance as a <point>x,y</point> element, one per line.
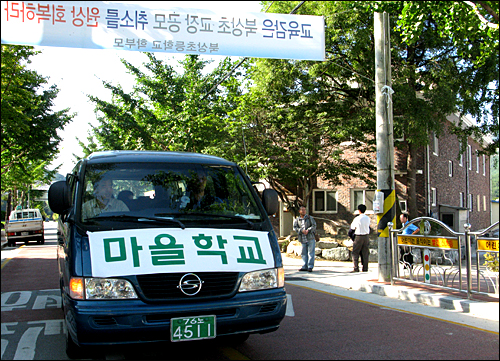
<point>73,351</point>
<point>71,348</point>
<point>11,243</point>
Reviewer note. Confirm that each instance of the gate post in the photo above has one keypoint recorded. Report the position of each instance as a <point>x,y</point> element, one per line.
<point>468,259</point>
<point>394,262</point>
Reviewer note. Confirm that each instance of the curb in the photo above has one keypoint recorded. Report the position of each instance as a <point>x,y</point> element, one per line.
<point>480,309</point>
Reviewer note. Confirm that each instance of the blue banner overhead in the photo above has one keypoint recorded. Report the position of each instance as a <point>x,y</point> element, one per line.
<point>122,26</point>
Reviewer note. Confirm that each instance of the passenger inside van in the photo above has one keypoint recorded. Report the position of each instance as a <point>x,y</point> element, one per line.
<point>103,200</point>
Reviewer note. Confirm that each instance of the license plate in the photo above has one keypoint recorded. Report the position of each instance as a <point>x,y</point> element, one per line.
<point>24,233</point>
<point>192,328</point>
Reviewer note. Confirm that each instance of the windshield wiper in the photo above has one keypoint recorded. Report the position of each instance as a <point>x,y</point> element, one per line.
<point>208,215</point>
<point>127,218</point>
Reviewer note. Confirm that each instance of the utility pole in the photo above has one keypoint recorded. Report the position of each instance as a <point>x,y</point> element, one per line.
<point>385,142</point>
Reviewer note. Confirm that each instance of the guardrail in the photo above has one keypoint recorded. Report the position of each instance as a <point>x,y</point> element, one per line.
<point>428,244</point>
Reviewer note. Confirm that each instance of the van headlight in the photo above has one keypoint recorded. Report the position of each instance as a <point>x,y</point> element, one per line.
<point>263,279</point>
<point>108,289</point>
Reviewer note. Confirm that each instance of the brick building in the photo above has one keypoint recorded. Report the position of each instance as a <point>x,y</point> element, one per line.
<point>450,187</point>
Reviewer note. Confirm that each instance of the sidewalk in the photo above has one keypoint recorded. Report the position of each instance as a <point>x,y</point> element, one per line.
<point>338,274</point>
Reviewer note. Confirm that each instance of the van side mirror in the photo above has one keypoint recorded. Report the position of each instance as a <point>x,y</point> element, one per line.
<point>270,201</point>
<point>59,197</point>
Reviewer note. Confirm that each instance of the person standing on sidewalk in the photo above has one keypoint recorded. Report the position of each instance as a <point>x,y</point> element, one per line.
<point>361,226</point>
<point>305,226</point>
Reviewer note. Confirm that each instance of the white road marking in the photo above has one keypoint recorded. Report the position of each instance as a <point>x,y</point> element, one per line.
<point>27,344</point>
<point>289,306</point>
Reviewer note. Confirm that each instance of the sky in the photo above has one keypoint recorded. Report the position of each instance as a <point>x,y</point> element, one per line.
<point>78,72</point>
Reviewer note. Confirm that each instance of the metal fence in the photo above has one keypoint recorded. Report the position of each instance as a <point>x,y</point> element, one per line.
<point>441,257</point>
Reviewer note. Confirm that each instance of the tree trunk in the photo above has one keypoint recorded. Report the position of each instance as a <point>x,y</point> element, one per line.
<point>412,181</point>
<point>9,206</point>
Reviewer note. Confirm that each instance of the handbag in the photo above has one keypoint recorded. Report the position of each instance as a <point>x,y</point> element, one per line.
<point>351,234</point>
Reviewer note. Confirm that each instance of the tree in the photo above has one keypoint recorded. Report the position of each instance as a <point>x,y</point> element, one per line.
<point>471,31</point>
<point>29,125</point>
<point>296,129</point>
<point>167,110</point>
<point>451,61</point>
<point>432,77</point>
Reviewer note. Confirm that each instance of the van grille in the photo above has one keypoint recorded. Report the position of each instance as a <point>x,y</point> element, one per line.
<point>105,321</point>
<point>268,308</point>
<point>163,286</point>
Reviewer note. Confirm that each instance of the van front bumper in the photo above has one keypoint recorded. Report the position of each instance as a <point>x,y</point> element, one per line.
<point>108,322</point>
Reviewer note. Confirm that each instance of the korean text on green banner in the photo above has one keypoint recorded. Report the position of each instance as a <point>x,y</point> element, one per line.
<point>125,26</point>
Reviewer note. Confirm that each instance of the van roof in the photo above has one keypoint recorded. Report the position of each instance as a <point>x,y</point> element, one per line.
<point>155,157</point>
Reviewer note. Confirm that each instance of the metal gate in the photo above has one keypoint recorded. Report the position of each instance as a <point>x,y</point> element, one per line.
<point>441,257</point>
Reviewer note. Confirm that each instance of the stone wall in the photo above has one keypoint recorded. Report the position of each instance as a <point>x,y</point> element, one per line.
<point>330,248</point>
<point>340,249</point>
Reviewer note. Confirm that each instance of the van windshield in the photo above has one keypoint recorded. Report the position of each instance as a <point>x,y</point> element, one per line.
<point>160,191</point>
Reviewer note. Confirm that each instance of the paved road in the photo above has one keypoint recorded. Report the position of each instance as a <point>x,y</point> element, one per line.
<point>328,326</point>
<point>321,323</point>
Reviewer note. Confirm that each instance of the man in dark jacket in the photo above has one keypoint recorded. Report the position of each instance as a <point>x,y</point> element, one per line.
<point>305,226</point>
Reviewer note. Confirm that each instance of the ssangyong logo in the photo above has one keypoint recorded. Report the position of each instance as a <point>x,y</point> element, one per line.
<point>190,284</point>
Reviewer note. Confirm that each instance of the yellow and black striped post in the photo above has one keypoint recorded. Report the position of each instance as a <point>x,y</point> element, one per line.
<point>389,212</point>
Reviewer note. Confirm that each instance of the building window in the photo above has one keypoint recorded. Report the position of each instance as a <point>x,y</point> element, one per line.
<point>462,199</point>
<point>461,160</point>
<point>435,144</point>
<point>478,203</point>
<point>470,202</point>
<point>362,196</point>
<point>484,203</point>
<point>450,168</point>
<point>433,197</point>
<point>325,201</point>
<point>484,165</point>
<point>469,157</point>
<point>477,163</point>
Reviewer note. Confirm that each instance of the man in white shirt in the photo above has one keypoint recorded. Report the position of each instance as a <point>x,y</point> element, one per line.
<point>361,226</point>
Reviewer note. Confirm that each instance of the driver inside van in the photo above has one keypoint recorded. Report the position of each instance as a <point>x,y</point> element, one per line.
<point>200,196</point>
<point>103,200</point>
